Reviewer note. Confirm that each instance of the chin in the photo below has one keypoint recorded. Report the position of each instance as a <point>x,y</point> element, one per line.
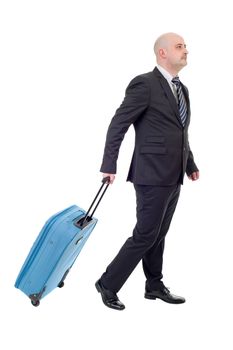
<point>183,64</point>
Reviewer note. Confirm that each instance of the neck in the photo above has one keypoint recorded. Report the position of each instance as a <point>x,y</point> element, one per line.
<point>172,70</point>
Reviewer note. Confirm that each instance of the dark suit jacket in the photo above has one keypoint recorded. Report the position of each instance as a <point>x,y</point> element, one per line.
<point>162,154</point>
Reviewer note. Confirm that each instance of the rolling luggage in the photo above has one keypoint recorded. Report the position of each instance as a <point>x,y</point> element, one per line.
<point>56,248</point>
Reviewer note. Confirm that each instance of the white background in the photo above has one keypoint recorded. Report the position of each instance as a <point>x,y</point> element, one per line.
<point>64,69</point>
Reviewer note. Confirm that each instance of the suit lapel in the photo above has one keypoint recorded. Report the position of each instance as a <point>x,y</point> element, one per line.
<point>170,96</point>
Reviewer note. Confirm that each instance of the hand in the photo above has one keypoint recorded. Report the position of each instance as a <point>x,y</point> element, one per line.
<point>112,177</point>
<point>194,176</point>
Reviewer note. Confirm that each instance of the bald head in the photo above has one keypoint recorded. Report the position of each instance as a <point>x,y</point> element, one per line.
<point>164,40</point>
<point>170,50</point>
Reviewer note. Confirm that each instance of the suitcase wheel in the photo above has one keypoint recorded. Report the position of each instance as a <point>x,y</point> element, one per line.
<point>35,302</point>
<point>61,284</point>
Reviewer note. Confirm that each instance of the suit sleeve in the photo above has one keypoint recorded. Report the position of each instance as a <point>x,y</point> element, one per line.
<point>191,166</point>
<point>134,104</point>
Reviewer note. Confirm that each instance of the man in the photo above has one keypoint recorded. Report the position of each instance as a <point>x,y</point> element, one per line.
<point>157,104</point>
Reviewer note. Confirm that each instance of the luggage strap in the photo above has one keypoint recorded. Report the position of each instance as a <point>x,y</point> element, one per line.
<point>105,183</point>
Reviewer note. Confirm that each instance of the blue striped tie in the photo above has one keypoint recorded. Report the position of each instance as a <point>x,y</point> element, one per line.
<point>181,100</point>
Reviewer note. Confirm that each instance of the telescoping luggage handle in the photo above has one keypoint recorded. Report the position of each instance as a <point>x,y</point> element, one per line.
<point>87,218</point>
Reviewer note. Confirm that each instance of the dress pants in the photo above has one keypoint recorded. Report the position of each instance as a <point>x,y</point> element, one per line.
<point>155,209</point>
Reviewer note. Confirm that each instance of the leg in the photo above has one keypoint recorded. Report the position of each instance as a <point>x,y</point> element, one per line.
<point>153,258</point>
<point>152,202</point>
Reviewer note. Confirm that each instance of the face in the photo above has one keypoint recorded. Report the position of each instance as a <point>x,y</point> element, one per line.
<point>175,52</point>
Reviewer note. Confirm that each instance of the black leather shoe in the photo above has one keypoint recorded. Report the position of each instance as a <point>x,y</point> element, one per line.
<point>165,295</point>
<point>110,299</point>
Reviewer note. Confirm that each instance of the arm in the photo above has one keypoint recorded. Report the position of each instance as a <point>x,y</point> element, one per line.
<point>134,104</point>
<point>192,170</point>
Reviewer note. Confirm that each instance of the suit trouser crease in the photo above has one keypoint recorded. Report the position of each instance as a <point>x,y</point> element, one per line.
<point>155,209</point>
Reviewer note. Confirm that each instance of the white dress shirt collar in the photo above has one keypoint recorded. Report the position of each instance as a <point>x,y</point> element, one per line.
<point>169,78</point>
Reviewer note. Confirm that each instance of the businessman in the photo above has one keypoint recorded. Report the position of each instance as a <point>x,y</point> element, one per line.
<point>157,104</point>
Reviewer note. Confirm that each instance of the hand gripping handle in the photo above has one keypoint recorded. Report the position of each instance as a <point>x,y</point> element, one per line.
<point>96,201</point>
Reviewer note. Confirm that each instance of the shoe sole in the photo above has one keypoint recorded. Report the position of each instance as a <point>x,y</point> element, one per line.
<point>97,287</point>
<point>152,297</point>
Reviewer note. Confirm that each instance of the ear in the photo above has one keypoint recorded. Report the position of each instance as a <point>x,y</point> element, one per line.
<point>162,53</point>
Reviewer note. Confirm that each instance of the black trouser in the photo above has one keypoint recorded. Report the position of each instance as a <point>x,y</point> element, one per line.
<point>155,208</point>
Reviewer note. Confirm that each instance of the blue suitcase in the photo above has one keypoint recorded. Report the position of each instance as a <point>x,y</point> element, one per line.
<point>56,248</point>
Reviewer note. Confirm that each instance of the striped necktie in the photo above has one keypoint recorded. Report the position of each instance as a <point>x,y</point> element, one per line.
<point>181,100</point>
